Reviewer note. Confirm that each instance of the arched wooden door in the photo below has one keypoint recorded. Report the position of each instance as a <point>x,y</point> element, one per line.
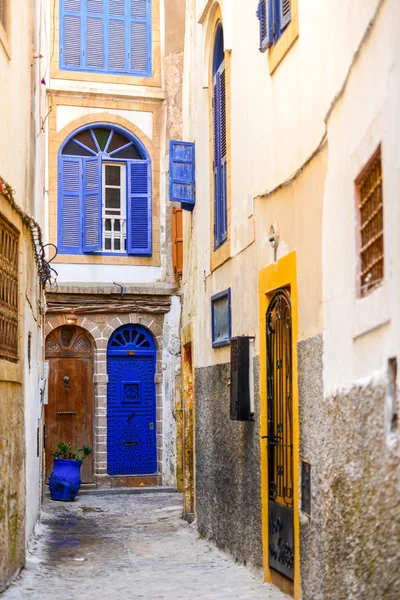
<point>69,413</point>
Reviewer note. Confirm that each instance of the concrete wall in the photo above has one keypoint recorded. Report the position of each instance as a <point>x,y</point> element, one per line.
<point>228,495</point>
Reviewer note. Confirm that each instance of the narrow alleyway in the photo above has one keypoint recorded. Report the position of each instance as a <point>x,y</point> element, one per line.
<point>129,546</point>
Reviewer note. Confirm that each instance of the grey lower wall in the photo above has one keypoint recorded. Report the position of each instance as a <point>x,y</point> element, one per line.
<point>350,546</point>
<point>228,499</point>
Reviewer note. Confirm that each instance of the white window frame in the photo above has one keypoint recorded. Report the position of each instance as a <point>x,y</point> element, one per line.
<point>122,214</point>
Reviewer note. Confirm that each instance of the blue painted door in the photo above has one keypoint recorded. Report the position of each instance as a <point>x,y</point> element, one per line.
<point>131,406</point>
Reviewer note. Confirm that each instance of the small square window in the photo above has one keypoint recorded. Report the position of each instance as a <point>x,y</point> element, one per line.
<point>221,319</point>
<point>370,225</point>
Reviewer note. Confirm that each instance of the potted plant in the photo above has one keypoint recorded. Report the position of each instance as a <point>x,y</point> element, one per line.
<point>65,478</point>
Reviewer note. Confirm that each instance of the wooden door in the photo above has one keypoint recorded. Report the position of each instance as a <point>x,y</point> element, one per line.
<point>69,413</point>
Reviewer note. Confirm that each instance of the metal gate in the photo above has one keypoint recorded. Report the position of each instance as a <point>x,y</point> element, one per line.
<point>131,408</point>
<point>280,434</point>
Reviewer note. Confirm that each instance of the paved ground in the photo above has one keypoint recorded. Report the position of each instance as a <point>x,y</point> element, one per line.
<point>129,546</point>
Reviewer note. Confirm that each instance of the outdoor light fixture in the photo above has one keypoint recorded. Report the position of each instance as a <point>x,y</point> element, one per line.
<point>71,319</point>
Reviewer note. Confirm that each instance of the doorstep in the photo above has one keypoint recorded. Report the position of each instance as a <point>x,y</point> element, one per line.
<point>88,489</point>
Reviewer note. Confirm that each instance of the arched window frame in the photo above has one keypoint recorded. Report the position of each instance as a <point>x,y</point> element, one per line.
<point>219,139</point>
<point>81,196</point>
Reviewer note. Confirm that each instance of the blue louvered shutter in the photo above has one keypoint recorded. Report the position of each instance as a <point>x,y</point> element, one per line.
<point>69,200</point>
<point>139,232</point>
<point>182,173</point>
<point>71,38</point>
<point>117,39</point>
<point>223,202</point>
<point>264,14</point>
<point>92,207</point>
<point>140,37</point>
<point>94,54</point>
<point>285,13</point>
<point>220,158</point>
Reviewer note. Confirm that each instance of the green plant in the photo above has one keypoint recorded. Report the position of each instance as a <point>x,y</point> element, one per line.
<point>64,451</point>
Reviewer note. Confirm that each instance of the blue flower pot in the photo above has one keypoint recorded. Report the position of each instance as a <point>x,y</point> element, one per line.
<point>65,479</point>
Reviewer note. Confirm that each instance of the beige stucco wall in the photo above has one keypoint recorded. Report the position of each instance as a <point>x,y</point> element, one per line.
<point>373,321</point>
<point>264,152</point>
<point>22,167</point>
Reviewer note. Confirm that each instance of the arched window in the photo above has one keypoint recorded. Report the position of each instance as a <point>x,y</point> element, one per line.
<point>104,193</point>
<point>219,129</point>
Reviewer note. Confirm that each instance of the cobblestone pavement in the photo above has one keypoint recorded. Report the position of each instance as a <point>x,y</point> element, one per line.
<point>132,546</point>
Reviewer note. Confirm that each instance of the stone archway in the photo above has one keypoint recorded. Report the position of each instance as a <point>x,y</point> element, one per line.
<point>69,412</point>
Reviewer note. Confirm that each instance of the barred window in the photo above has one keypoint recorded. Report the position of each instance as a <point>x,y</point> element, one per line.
<point>3,13</point>
<point>370,199</point>
<point>8,290</point>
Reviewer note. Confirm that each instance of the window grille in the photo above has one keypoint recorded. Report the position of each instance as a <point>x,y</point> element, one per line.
<point>371,225</point>
<point>3,13</point>
<point>8,290</point>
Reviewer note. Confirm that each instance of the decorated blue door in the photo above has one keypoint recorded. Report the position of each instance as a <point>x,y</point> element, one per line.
<point>131,408</point>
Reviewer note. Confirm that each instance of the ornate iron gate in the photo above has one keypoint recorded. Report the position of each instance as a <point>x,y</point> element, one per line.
<point>131,408</point>
<point>280,434</point>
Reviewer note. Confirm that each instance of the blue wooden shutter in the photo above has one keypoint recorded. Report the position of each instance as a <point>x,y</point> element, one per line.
<point>92,206</point>
<point>220,158</point>
<point>285,13</point>
<point>71,35</point>
<point>94,25</point>
<point>223,207</point>
<point>139,232</point>
<point>182,173</point>
<point>117,38</point>
<point>216,158</point>
<point>264,14</point>
<point>69,200</point>
<point>140,37</point>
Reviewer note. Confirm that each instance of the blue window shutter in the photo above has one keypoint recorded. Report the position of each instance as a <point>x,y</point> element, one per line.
<point>285,13</point>
<point>69,200</point>
<point>94,35</point>
<point>224,215</point>
<point>92,206</point>
<point>264,14</point>
<point>139,53</point>
<point>71,37</point>
<point>182,173</point>
<point>139,222</point>
<point>117,42</point>
<point>220,158</point>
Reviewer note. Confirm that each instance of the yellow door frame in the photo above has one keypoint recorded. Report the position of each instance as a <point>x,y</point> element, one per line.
<point>282,274</point>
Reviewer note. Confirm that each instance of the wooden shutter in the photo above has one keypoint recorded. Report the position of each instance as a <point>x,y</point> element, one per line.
<point>92,206</point>
<point>69,194</point>
<point>140,37</point>
<point>117,36</point>
<point>182,173</point>
<point>139,234</point>
<point>177,240</point>
<point>220,157</point>
<point>266,30</point>
<point>71,48</point>
<point>95,35</point>
<point>285,13</point>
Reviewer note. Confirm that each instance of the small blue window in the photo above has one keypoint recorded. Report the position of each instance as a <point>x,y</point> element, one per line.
<point>106,36</point>
<point>221,319</point>
<point>182,174</point>
<point>274,17</point>
<point>220,141</point>
<point>104,193</point>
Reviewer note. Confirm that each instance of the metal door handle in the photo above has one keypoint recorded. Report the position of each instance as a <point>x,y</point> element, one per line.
<point>66,412</point>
